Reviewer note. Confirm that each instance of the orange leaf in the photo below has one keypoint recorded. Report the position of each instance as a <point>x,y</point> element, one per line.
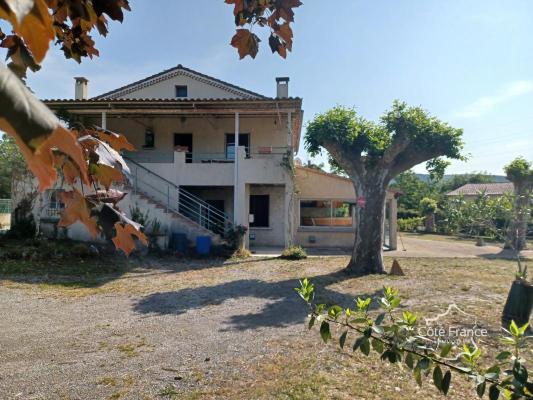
<point>77,208</point>
<point>70,171</point>
<point>285,32</point>
<point>246,42</point>
<point>124,238</point>
<point>115,140</point>
<point>106,175</point>
<point>37,30</point>
<point>36,130</point>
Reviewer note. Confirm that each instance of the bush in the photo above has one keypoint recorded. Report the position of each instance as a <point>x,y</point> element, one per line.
<point>23,221</point>
<point>241,254</point>
<point>235,236</point>
<point>80,250</point>
<point>410,224</point>
<point>294,253</point>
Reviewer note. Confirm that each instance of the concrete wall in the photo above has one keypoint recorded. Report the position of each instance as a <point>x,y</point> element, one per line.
<point>197,89</point>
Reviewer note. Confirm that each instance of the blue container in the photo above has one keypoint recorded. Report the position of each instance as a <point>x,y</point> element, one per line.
<point>203,245</point>
<point>179,242</point>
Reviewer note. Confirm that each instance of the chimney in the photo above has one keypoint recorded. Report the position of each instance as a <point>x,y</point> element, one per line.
<point>283,87</point>
<point>81,90</point>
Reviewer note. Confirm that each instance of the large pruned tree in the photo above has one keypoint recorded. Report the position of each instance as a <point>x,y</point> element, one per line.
<point>372,154</point>
<point>520,173</point>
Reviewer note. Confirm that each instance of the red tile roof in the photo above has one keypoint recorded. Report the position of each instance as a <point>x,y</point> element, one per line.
<point>487,188</point>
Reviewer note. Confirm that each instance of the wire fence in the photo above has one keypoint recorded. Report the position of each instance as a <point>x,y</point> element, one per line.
<point>5,206</point>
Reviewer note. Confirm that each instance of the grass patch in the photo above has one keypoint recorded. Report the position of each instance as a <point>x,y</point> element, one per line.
<point>107,381</point>
<point>169,391</point>
<point>131,349</point>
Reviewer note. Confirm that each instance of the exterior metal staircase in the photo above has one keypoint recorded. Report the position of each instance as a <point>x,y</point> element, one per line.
<point>177,200</point>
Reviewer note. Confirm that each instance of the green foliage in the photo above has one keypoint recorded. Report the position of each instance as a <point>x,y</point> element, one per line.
<point>427,206</point>
<point>235,236</point>
<point>11,160</point>
<point>412,189</point>
<point>343,126</point>
<point>519,171</point>
<point>436,168</point>
<point>294,253</point>
<point>483,216</point>
<point>395,337</point>
<point>410,224</point>
<point>138,216</point>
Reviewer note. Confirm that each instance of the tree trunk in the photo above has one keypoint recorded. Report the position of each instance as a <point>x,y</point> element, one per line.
<point>516,237</point>
<point>519,304</point>
<point>367,255</point>
<point>430,223</point>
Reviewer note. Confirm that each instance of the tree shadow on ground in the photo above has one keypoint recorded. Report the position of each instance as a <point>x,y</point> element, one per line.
<point>70,264</point>
<point>283,305</point>
<point>504,254</point>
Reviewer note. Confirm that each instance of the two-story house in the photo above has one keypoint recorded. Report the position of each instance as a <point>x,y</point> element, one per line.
<point>211,155</point>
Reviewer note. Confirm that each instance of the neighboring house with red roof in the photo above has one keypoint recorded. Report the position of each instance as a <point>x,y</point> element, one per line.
<point>472,190</point>
<point>212,155</point>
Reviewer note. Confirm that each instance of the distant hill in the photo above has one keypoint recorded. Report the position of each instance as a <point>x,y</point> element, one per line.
<point>497,178</point>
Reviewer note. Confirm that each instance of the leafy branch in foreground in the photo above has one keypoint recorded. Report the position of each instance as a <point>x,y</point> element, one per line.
<point>396,337</point>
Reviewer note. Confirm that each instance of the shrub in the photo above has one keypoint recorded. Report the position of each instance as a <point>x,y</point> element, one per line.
<point>138,216</point>
<point>23,221</point>
<point>294,253</point>
<point>410,224</point>
<point>240,254</point>
<point>80,250</point>
<point>235,235</point>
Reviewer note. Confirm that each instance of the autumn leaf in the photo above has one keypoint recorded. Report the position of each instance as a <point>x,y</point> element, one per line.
<point>36,29</point>
<point>124,239</point>
<point>115,140</point>
<point>239,6</point>
<point>285,32</point>
<point>106,165</point>
<point>77,208</point>
<point>105,175</point>
<point>246,42</point>
<point>70,171</point>
<point>36,130</point>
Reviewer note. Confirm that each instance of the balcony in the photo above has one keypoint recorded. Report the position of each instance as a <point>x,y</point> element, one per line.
<point>257,165</point>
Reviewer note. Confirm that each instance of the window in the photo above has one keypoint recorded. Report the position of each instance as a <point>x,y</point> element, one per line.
<point>326,213</point>
<point>181,91</point>
<point>55,205</point>
<point>259,208</point>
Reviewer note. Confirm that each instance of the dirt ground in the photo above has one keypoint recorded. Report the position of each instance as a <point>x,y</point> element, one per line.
<point>206,329</point>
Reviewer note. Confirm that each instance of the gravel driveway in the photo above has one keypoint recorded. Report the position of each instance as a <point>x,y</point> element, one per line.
<point>202,326</point>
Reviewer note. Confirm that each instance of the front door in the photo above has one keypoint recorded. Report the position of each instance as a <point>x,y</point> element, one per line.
<point>184,140</point>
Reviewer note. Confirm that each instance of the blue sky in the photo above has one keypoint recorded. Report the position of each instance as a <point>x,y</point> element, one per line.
<point>470,63</point>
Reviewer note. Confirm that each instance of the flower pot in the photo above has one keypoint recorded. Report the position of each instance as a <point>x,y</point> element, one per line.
<point>519,304</point>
